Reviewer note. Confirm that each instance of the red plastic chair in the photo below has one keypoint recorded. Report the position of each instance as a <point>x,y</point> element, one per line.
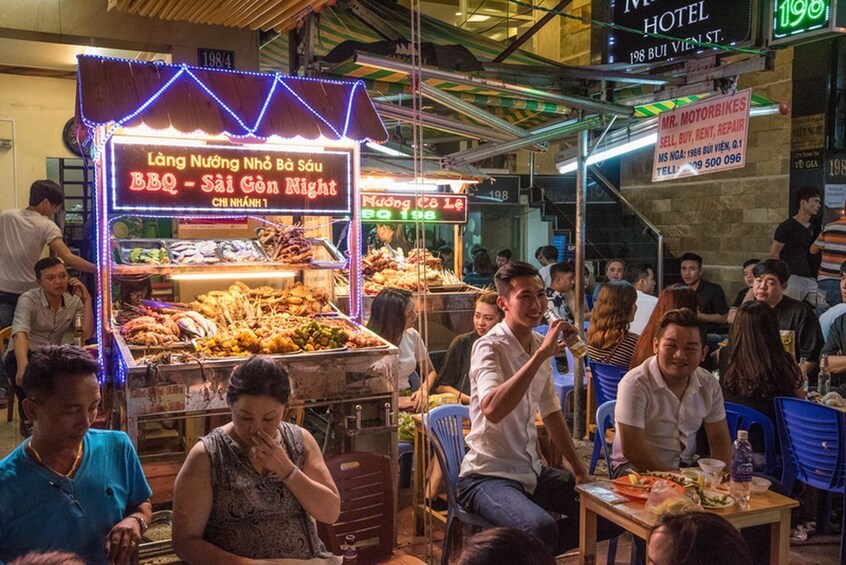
<point>364,481</point>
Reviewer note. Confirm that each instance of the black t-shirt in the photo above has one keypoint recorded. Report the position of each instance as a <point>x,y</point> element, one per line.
<point>712,300</point>
<point>800,318</point>
<point>456,368</point>
<point>797,240</point>
<point>741,296</point>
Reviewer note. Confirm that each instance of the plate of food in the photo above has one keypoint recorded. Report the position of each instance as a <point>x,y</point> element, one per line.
<point>638,487</point>
<point>715,500</point>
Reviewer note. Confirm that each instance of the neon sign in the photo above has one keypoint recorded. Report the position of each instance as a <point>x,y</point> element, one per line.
<point>429,208</point>
<point>203,179</point>
<point>793,21</point>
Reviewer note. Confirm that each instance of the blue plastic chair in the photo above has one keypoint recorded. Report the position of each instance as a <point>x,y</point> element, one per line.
<point>405,461</point>
<point>444,426</point>
<point>604,422</point>
<point>563,382</point>
<point>813,448</point>
<point>740,417</point>
<point>605,380</point>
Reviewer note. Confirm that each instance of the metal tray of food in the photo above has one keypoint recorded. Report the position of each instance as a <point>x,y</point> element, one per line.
<point>337,259</point>
<point>240,251</point>
<point>142,251</point>
<point>193,251</point>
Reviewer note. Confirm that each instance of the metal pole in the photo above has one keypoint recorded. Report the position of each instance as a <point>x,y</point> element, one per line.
<point>579,314</point>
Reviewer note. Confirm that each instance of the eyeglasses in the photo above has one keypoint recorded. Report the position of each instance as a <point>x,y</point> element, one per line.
<point>65,486</point>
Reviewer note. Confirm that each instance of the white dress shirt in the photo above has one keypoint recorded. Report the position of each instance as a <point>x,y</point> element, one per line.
<point>670,424</point>
<point>645,305</point>
<point>507,449</point>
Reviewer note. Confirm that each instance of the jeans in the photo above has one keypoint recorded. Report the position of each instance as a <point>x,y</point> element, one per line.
<point>503,502</point>
<point>8,302</point>
<point>802,289</point>
<point>831,289</point>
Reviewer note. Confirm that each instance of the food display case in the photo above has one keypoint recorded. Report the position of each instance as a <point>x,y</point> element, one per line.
<point>448,302</point>
<point>277,157</point>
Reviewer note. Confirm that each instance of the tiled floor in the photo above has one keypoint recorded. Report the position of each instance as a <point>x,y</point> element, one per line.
<point>822,550</point>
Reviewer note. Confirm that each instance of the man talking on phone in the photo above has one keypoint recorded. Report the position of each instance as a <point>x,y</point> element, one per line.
<point>46,315</point>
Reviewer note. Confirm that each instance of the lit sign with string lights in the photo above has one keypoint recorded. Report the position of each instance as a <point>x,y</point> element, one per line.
<point>795,21</point>
<point>390,207</point>
<point>197,179</point>
<point>670,22</point>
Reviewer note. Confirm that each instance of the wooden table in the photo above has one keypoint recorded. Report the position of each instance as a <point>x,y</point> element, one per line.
<point>599,499</point>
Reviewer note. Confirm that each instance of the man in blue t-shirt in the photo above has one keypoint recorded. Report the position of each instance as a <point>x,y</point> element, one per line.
<point>68,487</point>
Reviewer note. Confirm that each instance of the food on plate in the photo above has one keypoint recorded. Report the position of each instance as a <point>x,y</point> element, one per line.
<point>155,255</point>
<point>420,269</point>
<point>240,251</point>
<point>312,336</point>
<point>157,328</point>
<point>675,505</point>
<point>194,252</point>
<point>715,500</point>
<point>639,485</point>
<point>377,260</point>
<point>240,303</point>
<point>285,244</point>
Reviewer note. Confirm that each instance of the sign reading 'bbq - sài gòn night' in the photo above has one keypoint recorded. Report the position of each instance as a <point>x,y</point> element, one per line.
<point>147,177</point>
<point>726,22</point>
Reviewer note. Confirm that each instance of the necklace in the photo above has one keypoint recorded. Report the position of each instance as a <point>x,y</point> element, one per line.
<point>41,462</point>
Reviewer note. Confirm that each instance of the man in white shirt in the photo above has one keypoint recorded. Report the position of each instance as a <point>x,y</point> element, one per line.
<point>502,478</point>
<point>642,278</point>
<point>662,403</point>
<point>23,235</point>
<point>548,256</point>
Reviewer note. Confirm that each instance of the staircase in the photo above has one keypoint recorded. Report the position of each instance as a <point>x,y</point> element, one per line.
<point>614,229</point>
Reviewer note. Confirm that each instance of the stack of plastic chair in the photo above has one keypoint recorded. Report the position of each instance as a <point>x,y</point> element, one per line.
<point>444,425</point>
<point>813,449</point>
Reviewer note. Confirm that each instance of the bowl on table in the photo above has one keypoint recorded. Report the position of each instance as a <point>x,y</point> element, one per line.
<point>760,484</point>
<point>713,469</point>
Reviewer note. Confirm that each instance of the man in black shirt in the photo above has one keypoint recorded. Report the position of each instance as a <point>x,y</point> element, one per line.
<point>792,243</point>
<point>745,294</point>
<point>800,329</point>
<point>712,299</point>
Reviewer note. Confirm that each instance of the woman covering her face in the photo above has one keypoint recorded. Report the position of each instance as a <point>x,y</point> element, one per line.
<point>250,488</point>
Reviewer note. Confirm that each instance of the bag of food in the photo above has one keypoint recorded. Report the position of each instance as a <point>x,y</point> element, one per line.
<point>663,500</point>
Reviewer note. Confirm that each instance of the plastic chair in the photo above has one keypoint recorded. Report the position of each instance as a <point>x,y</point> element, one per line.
<point>604,422</point>
<point>12,397</point>
<point>740,417</point>
<point>813,448</point>
<point>364,482</point>
<point>444,425</point>
<point>405,461</point>
<point>605,380</point>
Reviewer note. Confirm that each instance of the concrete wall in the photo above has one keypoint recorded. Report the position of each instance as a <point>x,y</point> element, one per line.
<point>39,109</point>
<point>89,19</point>
<point>725,217</point>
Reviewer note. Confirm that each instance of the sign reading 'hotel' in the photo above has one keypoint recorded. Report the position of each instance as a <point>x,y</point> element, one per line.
<point>197,179</point>
<point>727,22</point>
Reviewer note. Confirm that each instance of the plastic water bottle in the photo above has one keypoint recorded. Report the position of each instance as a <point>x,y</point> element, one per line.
<point>741,468</point>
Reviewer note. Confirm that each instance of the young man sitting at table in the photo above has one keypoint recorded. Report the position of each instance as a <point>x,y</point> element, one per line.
<point>502,478</point>
<point>662,403</point>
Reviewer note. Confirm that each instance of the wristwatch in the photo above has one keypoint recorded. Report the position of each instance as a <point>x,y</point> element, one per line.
<point>141,522</point>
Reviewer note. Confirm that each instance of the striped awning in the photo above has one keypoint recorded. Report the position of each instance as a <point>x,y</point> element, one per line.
<point>649,110</point>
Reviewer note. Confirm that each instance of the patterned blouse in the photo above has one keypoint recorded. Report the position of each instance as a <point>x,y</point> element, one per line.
<point>254,515</point>
<point>620,354</point>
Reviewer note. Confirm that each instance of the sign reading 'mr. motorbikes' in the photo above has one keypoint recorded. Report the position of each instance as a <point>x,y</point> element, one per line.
<point>727,22</point>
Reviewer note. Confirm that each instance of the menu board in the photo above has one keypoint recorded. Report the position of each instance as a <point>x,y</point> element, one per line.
<point>150,176</point>
<point>389,207</point>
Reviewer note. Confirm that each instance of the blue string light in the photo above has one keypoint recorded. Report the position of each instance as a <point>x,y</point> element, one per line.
<point>248,132</point>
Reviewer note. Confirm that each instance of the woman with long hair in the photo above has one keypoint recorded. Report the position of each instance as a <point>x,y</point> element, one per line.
<point>754,366</point>
<point>392,316</point>
<point>672,298</point>
<point>609,339</point>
